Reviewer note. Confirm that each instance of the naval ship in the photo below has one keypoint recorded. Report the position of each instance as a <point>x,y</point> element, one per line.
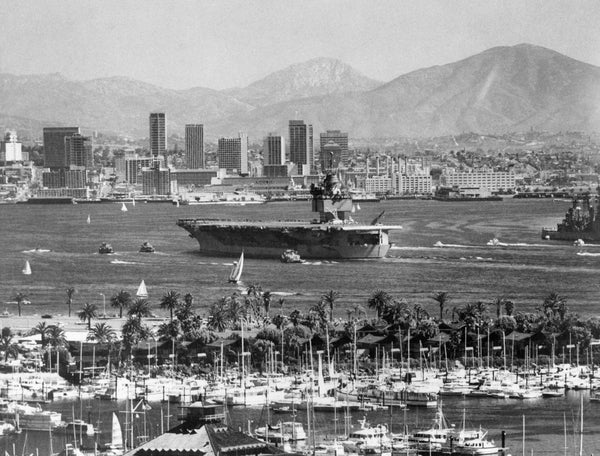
<point>581,222</point>
<point>334,235</point>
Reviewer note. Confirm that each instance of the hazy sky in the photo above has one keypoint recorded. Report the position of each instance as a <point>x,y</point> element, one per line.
<point>221,44</point>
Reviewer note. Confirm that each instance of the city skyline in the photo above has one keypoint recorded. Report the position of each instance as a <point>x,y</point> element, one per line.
<point>216,44</point>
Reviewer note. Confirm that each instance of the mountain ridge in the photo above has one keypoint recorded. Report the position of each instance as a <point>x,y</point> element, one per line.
<point>505,88</point>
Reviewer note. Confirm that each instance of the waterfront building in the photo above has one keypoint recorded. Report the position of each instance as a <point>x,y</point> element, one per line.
<point>301,146</point>
<point>158,134</point>
<point>232,154</point>
<point>411,184</point>
<point>277,170</point>
<point>274,150</point>
<point>64,192</point>
<point>378,184</point>
<point>493,181</point>
<point>55,152</point>
<point>191,179</point>
<point>64,178</point>
<point>331,156</point>
<point>156,180</point>
<point>338,137</point>
<point>79,151</point>
<point>10,149</point>
<point>194,146</point>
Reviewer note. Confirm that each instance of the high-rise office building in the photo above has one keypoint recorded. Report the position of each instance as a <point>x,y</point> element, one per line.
<point>232,154</point>
<point>338,137</point>
<point>55,153</point>
<point>331,156</point>
<point>194,146</point>
<point>301,146</point>
<point>79,151</point>
<point>274,150</point>
<point>10,149</point>
<point>158,134</point>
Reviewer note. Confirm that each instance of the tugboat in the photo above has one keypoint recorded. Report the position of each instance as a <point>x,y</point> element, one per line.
<point>146,247</point>
<point>105,247</point>
<point>291,256</point>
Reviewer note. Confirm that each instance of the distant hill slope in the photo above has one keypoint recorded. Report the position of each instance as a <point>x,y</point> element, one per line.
<point>115,104</point>
<point>502,89</point>
<point>316,77</point>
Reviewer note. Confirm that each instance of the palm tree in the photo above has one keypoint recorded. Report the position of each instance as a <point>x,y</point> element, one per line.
<point>140,308</point>
<point>42,329</point>
<point>498,302</point>
<point>21,298</point>
<point>188,300</point>
<point>266,300</point>
<point>170,301</point>
<point>102,333</point>
<point>87,312</point>
<point>70,292</point>
<point>442,299</point>
<point>329,299</point>
<point>7,344</point>
<point>121,300</point>
<point>56,337</point>
<point>380,301</point>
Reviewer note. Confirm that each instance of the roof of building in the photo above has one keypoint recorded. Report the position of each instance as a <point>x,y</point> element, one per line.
<point>207,440</point>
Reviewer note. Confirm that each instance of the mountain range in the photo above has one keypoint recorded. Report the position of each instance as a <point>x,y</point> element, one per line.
<point>501,89</point>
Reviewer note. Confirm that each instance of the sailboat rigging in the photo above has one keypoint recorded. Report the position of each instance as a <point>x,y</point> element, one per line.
<point>236,271</point>
<point>27,268</point>
<point>142,292</point>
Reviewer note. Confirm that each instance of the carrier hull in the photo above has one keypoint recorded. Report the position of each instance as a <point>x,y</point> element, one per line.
<point>269,240</point>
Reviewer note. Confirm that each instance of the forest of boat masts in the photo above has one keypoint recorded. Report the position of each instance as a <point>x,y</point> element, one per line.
<point>387,330</point>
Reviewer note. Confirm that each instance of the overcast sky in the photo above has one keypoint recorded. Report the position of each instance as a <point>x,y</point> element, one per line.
<point>221,44</point>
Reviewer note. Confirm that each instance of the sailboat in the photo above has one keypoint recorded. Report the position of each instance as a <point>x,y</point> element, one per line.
<point>89,219</point>
<point>123,208</point>
<point>236,271</point>
<point>141,291</point>
<point>115,447</point>
<point>133,200</point>
<point>27,268</point>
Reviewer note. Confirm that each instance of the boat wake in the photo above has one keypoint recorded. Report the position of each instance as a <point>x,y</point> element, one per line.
<point>122,262</point>
<point>37,251</point>
<point>283,293</point>
<point>588,254</point>
<point>455,246</point>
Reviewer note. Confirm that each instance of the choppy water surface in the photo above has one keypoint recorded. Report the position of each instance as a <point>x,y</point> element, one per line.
<point>523,268</point>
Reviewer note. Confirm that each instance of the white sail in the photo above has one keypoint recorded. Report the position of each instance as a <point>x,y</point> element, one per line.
<point>177,203</point>
<point>141,291</point>
<point>116,441</point>
<point>133,200</point>
<point>27,268</point>
<point>236,271</point>
<point>124,208</point>
<point>89,219</point>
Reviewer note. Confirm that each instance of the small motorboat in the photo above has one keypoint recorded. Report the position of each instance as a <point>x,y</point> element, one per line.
<point>105,247</point>
<point>290,256</point>
<point>146,247</point>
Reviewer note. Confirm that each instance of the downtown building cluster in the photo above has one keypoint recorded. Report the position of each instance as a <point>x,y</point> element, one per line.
<point>284,165</point>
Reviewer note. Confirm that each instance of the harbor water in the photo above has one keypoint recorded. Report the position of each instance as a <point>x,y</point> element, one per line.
<point>442,247</point>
